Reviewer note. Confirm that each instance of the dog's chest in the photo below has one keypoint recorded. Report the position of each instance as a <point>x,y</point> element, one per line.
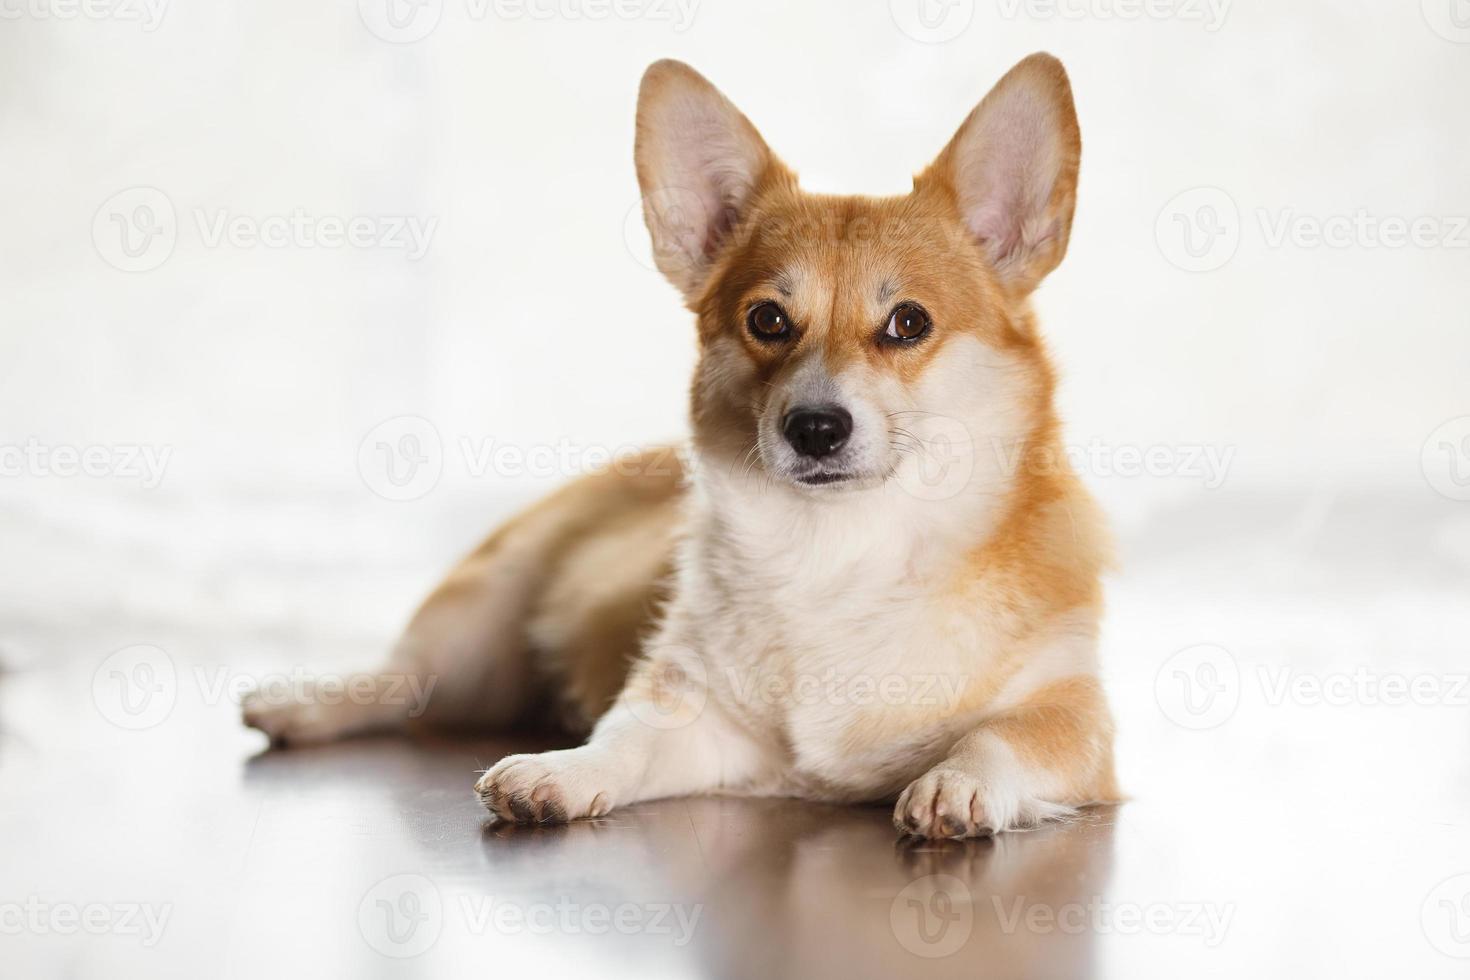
<point>858,670</point>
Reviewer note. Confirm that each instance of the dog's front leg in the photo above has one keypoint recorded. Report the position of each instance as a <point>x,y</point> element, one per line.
<point>663,737</point>
<point>1036,762</point>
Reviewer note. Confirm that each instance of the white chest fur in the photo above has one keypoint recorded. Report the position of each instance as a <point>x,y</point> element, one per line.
<point>831,628</point>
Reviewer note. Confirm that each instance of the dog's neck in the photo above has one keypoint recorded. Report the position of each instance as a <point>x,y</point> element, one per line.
<point>746,519</point>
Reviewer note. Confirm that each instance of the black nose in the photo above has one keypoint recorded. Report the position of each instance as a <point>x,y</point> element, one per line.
<point>817,432</point>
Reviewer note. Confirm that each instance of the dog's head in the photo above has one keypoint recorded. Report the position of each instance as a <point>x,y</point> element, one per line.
<point>852,342</point>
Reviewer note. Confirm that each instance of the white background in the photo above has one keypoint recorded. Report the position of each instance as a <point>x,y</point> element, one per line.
<point>535,320</point>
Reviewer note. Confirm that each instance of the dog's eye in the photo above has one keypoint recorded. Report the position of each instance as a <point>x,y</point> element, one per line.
<point>907,322</point>
<point>767,321</point>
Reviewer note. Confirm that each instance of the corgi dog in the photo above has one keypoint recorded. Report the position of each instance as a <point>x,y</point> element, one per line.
<point>874,577</point>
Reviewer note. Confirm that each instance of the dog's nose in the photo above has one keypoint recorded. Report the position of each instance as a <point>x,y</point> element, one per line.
<point>817,432</point>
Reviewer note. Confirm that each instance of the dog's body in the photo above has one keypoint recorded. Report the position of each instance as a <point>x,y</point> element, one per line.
<point>875,579</point>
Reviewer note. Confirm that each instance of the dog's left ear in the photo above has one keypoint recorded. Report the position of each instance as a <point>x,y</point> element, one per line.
<point>1011,171</point>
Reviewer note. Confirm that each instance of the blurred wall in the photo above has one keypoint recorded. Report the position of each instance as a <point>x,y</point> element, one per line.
<point>250,234</point>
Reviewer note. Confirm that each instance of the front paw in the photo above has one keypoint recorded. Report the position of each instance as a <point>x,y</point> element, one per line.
<point>944,803</point>
<point>550,787</point>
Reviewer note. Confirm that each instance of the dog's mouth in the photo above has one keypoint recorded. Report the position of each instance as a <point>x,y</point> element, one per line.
<point>823,478</point>
<point>843,479</point>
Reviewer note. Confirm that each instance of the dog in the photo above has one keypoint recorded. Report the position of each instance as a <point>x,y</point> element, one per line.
<point>874,578</point>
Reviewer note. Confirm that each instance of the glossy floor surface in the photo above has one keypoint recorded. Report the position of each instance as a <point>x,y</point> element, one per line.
<point>1290,684</point>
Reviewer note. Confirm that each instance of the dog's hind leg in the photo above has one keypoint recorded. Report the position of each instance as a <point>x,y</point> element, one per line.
<point>466,659</point>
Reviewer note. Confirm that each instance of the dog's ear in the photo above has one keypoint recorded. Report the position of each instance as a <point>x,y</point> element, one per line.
<point>1011,170</point>
<point>699,161</point>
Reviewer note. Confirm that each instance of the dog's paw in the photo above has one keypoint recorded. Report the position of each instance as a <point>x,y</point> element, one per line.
<point>952,803</point>
<point>552,787</point>
<point>944,803</point>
